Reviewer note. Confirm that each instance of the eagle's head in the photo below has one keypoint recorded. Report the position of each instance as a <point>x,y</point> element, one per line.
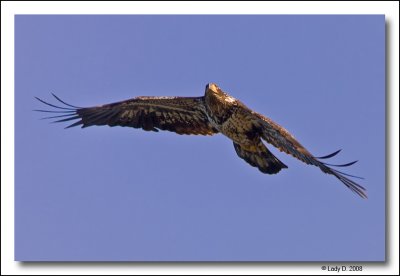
<point>214,91</point>
<point>212,88</point>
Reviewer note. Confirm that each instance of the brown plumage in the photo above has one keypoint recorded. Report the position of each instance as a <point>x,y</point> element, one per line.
<point>215,112</point>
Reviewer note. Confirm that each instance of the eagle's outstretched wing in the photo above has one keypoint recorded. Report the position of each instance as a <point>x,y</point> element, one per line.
<point>279,137</point>
<point>183,115</point>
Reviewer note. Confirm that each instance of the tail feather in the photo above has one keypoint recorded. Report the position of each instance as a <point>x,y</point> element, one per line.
<point>260,157</point>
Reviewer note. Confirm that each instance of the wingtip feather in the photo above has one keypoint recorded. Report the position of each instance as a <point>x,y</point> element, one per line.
<point>329,155</point>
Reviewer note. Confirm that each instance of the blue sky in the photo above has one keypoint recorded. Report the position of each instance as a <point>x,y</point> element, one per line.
<point>128,195</point>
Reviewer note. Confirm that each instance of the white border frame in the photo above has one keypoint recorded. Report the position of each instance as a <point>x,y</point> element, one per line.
<point>9,9</point>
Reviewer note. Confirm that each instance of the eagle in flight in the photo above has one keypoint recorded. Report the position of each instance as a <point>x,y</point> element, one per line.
<point>215,112</point>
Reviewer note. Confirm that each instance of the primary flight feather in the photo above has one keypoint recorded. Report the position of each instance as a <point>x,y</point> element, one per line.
<point>215,112</point>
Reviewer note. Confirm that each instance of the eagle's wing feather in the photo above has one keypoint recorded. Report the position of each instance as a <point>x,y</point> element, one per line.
<point>183,115</point>
<point>279,137</point>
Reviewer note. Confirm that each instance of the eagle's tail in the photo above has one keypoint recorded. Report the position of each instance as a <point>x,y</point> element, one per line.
<point>259,156</point>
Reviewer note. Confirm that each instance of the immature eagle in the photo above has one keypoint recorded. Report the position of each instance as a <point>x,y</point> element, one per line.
<point>215,112</point>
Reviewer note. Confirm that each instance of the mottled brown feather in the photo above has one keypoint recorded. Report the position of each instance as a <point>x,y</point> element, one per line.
<point>280,138</point>
<point>259,156</point>
<point>183,115</point>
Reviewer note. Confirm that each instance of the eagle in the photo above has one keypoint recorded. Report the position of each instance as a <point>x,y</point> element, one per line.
<point>215,112</point>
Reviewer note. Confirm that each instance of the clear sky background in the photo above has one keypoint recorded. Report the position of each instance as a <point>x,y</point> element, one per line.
<point>122,194</point>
